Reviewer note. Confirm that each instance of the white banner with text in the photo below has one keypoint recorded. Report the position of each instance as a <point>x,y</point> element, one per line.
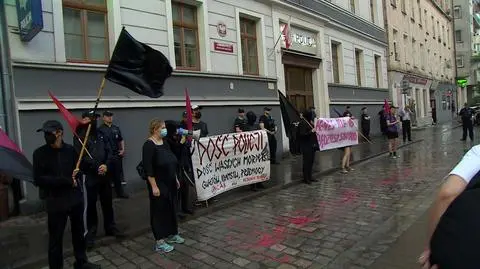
<point>229,161</point>
<point>336,132</point>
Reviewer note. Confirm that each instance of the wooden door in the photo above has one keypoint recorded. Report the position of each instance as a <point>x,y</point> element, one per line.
<point>299,86</point>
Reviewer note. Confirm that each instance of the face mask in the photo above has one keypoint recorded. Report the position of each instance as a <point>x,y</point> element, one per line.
<point>50,138</point>
<point>198,115</point>
<point>163,132</point>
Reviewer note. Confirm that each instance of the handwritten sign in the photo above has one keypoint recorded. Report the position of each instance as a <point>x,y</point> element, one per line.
<point>228,161</point>
<point>336,133</point>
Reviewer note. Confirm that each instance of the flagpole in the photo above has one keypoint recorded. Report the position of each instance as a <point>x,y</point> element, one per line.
<point>87,134</point>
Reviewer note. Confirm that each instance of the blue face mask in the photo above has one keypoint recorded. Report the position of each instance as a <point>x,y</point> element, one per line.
<point>163,132</point>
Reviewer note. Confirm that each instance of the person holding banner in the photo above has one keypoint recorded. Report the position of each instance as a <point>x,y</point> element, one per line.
<point>160,166</point>
<point>267,123</point>
<point>392,132</point>
<point>307,139</point>
<point>347,151</point>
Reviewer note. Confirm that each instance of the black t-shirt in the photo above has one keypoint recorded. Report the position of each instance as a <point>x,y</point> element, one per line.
<point>160,162</point>
<point>240,123</point>
<point>347,114</point>
<point>202,126</point>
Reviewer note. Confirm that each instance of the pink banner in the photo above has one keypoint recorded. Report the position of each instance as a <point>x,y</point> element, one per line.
<point>336,132</point>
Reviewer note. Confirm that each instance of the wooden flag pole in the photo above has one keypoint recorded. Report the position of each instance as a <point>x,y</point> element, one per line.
<point>89,128</point>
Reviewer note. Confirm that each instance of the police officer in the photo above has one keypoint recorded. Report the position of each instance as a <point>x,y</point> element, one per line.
<point>466,113</point>
<point>117,145</point>
<point>267,123</point>
<point>240,121</point>
<point>97,182</point>
<point>54,172</point>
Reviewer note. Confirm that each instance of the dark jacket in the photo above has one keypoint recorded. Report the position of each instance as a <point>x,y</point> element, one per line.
<point>305,136</point>
<point>114,137</point>
<point>52,172</point>
<point>99,147</point>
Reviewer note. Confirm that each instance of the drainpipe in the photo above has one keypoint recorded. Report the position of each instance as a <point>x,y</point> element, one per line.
<point>6,87</point>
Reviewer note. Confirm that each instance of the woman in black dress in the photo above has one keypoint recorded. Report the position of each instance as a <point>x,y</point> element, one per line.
<point>160,165</point>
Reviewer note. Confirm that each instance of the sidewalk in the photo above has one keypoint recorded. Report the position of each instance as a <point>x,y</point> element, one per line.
<point>23,240</point>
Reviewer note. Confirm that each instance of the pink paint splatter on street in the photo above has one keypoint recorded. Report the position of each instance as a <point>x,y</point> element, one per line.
<point>373,204</point>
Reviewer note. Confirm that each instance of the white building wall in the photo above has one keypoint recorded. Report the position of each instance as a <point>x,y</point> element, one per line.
<point>362,9</point>
<point>349,43</point>
<point>149,21</point>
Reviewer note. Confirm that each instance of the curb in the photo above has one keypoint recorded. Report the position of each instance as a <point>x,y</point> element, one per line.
<point>41,261</point>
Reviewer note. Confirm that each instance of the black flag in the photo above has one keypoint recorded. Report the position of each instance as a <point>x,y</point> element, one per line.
<point>138,67</point>
<point>290,114</point>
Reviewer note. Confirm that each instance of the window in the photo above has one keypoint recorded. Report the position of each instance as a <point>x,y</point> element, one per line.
<point>458,36</point>
<point>426,19</point>
<point>443,34</point>
<point>85,29</point>
<point>185,36</point>
<point>352,5</point>
<point>359,65</point>
<point>448,37</point>
<point>414,53</point>
<point>459,61</point>
<point>406,45</point>
<point>395,48</point>
<point>433,27</point>
<point>412,9</point>
<point>372,10</point>
<point>457,14</point>
<point>335,63</point>
<point>393,3</point>
<point>403,6</point>
<point>422,57</point>
<point>439,33</point>
<point>248,35</point>
<point>377,70</point>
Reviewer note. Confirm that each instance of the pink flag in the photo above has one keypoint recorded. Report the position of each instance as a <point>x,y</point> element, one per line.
<point>6,142</point>
<point>286,34</point>
<point>386,107</point>
<point>72,121</point>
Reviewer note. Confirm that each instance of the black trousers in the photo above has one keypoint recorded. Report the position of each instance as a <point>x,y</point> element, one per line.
<point>115,173</point>
<point>467,125</point>
<point>272,143</point>
<point>407,130</point>
<point>366,131</point>
<point>163,215</point>
<point>185,187</point>
<point>101,189</point>
<point>308,156</point>
<point>17,196</point>
<point>57,220</point>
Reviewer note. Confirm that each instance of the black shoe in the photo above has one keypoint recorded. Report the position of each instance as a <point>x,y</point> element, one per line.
<point>181,216</point>
<point>115,232</point>
<point>90,243</point>
<point>463,139</point>
<point>274,162</point>
<point>89,265</point>
<point>314,180</point>
<point>307,182</point>
<point>260,185</point>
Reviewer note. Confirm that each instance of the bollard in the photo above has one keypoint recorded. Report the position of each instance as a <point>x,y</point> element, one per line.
<point>3,202</point>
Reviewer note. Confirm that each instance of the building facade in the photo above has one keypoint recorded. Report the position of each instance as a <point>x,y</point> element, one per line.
<point>228,54</point>
<point>342,61</point>
<point>421,66</point>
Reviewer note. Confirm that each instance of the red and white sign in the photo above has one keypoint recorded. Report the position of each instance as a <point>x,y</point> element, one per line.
<point>223,47</point>
<point>336,132</point>
<point>286,36</point>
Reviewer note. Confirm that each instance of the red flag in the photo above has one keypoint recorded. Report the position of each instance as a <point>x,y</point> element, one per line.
<point>6,142</point>
<point>72,121</point>
<point>188,109</point>
<point>286,34</point>
<point>386,107</point>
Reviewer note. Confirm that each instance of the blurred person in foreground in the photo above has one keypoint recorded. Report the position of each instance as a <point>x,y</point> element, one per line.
<point>55,173</point>
<point>160,165</point>
<point>453,234</point>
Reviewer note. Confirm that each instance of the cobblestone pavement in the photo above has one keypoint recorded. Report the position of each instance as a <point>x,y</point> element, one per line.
<point>343,221</point>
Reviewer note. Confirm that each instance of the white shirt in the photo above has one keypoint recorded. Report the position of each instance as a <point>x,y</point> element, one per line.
<point>469,166</point>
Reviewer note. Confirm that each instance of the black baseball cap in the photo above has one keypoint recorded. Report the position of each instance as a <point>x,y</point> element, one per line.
<point>108,113</point>
<point>90,114</point>
<point>267,108</point>
<point>241,110</point>
<point>50,126</point>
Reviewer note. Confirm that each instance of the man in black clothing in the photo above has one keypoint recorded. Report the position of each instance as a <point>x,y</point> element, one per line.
<point>54,172</point>
<point>365,123</point>
<point>198,125</point>
<point>240,122</point>
<point>117,145</point>
<point>347,112</point>
<point>97,182</point>
<point>307,139</point>
<point>466,114</point>
<point>267,123</point>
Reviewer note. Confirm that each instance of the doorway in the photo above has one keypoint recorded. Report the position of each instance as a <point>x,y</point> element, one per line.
<point>299,86</point>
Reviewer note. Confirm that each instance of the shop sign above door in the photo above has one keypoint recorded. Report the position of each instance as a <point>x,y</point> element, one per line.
<point>30,18</point>
<point>301,40</point>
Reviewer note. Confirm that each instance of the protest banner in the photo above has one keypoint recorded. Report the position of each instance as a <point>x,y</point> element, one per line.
<point>229,161</point>
<point>336,132</point>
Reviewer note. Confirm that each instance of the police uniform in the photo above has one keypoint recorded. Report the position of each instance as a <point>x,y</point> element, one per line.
<point>97,185</point>
<point>240,122</point>
<point>269,124</point>
<point>53,169</point>
<point>115,172</point>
